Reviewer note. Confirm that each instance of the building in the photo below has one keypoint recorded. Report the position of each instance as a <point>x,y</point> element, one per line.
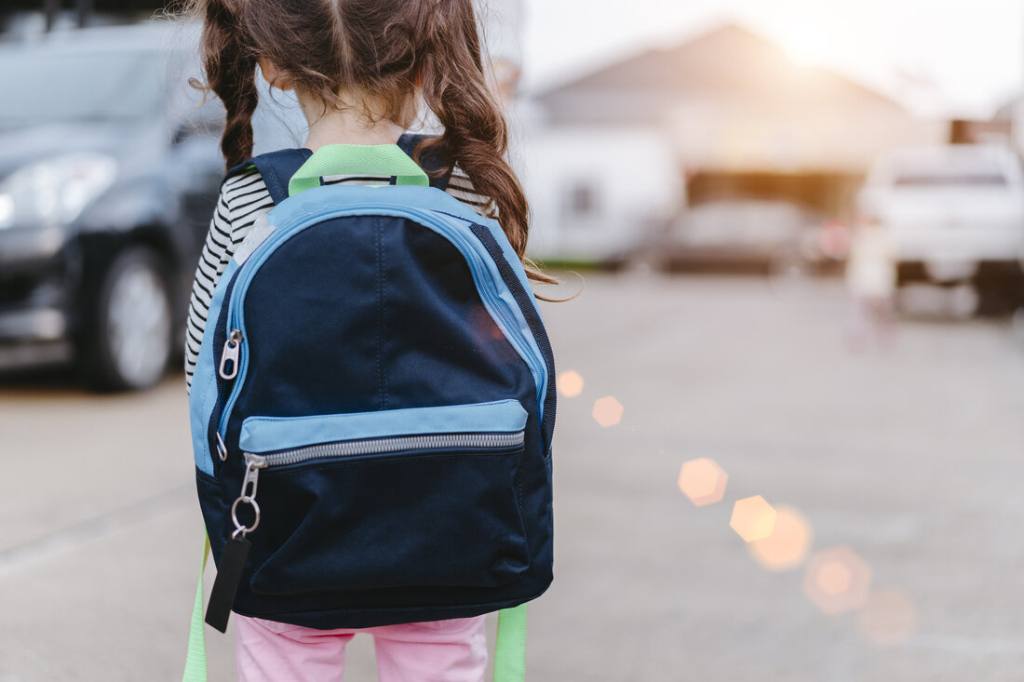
<point>745,118</point>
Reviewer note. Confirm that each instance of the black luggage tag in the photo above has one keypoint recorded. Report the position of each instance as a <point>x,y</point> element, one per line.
<point>225,585</point>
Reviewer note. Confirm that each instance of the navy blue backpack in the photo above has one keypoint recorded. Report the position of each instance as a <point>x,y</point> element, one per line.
<point>373,407</point>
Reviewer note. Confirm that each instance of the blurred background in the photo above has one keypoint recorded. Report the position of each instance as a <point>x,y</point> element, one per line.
<point>790,436</point>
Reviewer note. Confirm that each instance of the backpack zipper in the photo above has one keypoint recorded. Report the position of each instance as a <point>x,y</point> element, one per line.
<point>391,445</point>
<point>495,304</point>
<point>471,443</point>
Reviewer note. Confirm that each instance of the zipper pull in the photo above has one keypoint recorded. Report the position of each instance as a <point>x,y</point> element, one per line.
<point>236,551</point>
<point>253,464</point>
<point>229,356</point>
<point>225,585</point>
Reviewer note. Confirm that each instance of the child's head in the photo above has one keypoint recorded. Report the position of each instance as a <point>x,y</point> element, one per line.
<point>376,58</point>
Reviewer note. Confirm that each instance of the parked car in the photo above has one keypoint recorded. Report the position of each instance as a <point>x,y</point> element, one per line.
<point>109,172</point>
<point>753,235</point>
<point>955,215</point>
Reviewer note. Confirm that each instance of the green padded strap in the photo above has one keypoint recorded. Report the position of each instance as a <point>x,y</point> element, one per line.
<point>195,660</point>
<point>510,649</point>
<point>385,160</point>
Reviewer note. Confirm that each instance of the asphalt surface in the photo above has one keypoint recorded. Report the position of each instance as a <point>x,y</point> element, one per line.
<point>908,456</point>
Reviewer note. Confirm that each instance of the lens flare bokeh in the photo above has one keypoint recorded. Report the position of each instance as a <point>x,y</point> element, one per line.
<point>703,481</point>
<point>570,384</point>
<point>786,548</point>
<point>753,518</point>
<point>889,617</point>
<point>837,580</point>
<point>607,411</point>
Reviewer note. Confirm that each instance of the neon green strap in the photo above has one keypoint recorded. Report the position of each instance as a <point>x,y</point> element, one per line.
<point>195,660</point>
<point>510,648</point>
<point>385,160</point>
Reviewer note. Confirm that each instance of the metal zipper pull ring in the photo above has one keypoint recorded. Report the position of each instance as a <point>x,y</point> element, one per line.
<point>253,464</point>
<point>240,528</point>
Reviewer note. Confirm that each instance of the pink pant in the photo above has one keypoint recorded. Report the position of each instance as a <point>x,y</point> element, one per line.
<point>441,651</point>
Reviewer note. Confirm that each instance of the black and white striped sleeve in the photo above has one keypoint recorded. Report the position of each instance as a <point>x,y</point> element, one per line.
<point>461,187</point>
<point>242,199</point>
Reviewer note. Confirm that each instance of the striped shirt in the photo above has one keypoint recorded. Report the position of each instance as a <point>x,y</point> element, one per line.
<point>243,198</point>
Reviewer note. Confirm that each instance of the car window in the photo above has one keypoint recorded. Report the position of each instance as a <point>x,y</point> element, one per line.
<point>57,86</point>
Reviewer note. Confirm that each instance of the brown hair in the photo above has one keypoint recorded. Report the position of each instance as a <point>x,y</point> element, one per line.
<point>387,51</point>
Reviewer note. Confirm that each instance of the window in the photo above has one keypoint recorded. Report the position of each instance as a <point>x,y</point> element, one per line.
<point>580,200</point>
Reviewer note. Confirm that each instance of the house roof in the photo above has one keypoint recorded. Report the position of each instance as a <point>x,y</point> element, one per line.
<point>731,99</point>
<point>730,61</point>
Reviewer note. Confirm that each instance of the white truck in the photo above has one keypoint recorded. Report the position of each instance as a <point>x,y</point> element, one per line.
<point>954,214</point>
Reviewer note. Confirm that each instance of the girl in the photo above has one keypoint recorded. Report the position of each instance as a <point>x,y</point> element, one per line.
<point>359,69</point>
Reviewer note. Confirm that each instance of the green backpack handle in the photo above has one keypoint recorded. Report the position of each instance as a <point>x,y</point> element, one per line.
<point>385,160</point>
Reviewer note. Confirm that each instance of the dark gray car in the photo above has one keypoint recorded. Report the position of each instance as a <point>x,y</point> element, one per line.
<point>109,172</point>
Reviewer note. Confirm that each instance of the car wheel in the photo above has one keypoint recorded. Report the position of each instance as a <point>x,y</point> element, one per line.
<point>129,340</point>
<point>999,290</point>
<point>995,301</point>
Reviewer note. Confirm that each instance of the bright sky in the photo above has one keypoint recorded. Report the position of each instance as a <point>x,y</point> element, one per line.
<point>961,57</point>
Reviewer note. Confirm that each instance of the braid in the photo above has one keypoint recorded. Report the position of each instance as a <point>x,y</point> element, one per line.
<point>230,67</point>
<point>475,131</point>
<point>380,54</point>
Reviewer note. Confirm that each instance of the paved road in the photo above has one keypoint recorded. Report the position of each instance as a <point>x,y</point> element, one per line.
<point>909,457</point>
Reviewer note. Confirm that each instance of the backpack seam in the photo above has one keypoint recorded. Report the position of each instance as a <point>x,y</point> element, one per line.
<point>382,386</point>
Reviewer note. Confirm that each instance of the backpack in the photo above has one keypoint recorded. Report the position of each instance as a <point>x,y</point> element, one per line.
<point>373,408</point>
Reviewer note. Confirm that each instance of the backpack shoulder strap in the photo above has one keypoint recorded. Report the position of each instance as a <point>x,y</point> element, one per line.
<point>510,645</point>
<point>276,168</point>
<point>431,161</point>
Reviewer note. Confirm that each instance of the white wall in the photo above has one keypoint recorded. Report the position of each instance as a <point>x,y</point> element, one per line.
<point>631,176</point>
